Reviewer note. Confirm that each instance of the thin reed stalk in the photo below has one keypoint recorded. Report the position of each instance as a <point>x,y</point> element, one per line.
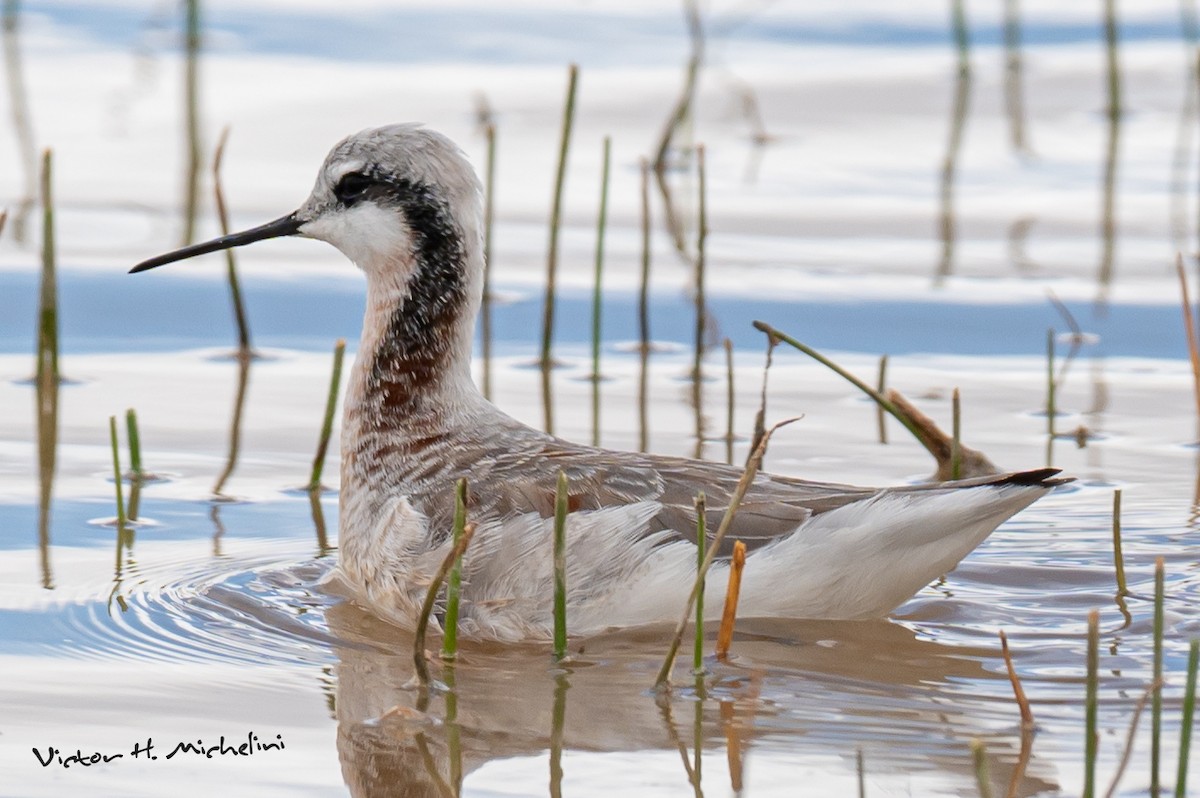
<point>879,398</point>
<point>335,383</point>
<point>489,213</point>
<point>235,286</point>
<point>1027,721</point>
<point>135,444</point>
<point>47,342</point>
<point>733,590</point>
<point>1129,739</point>
<point>560,566</point>
<point>1091,701</point>
<point>729,401</point>
<point>701,544</point>
<point>597,293</point>
<point>454,582</point>
<point>1189,329</point>
<point>118,478</point>
<point>881,388</point>
<point>979,758</point>
<point>956,436</point>
<point>1051,385</point>
<point>1118,556</point>
<point>644,314</point>
<point>1156,702</point>
<point>546,359</point>
<point>701,305</point>
<point>860,768</point>
<point>191,93</point>
<point>3,219</point>
<point>753,464</point>
<point>558,723</point>
<point>18,101</point>
<point>456,551</point>
<point>1185,725</point>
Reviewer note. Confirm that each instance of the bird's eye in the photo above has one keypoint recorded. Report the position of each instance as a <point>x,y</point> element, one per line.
<point>351,188</point>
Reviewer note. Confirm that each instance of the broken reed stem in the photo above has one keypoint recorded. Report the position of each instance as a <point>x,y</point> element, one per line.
<point>1156,703</point>
<point>1129,738</point>
<point>644,313</point>
<point>979,758</point>
<point>752,465</point>
<point>489,210</point>
<point>1189,329</point>
<point>1027,721</point>
<point>881,387</point>
<point>335,382</point>
<point>560,567</point>
<point>701,543</point>
<point>235,288</point>
<point>956,436</point>
<point>1185,726</point>
<point>456,551</point>
<point>729,401</point>
<point>117,477</point>
<point>729,615</point>
<point>879,398</point>
<point>1092,738</point>
<point>47,349</point>
<point>1051,387</point>
<point>135,444</point>
<point>601,226</point>
<point>454,583</point>
<point>1118,556</point>
<point>555,224</point>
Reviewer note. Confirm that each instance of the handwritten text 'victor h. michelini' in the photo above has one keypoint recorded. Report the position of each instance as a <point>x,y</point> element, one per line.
<point>252,745</point>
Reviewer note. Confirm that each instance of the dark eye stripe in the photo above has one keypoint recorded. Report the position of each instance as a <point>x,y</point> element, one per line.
<point>351,188</point>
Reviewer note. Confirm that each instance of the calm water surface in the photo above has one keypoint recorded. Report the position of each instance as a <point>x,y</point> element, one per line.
<point>893,207</point>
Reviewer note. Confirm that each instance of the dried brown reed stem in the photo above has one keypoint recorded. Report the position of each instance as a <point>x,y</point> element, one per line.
<point>760,428</point>
<point>860,766</point>
<point>752,466</point>
<point>456,551</point>
<point>1027,721</point>
<point>678,116</point>
<point>3,219</point>
<point>235,288</point>
<point>729,615</point>
<point>1129,738</point>
<point>733,746</point>
<point>47,341</point>
<point>1189,328</point>
<point>235,425</point>
<point>191,93</point>
<point>956,436</point>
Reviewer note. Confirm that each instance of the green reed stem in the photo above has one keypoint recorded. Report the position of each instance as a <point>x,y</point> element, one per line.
<point>880,388</point>
<point>135,445</point>
<point>956,436</point>
<point>454,583</point>
<point>701,544</point>
<point>880,399</point>
<point>729,401</point>
<point>979,758</point>
<point>644,314</point>
<point>1118,556</point>
<point>701,304</point>
<point>552,256</point>
<point>597,294</point>
<point>1156,700</point>
<point>235,286</point>
<point>117,478</point>
<point>1051,386</point>
<point>489,211</point>
<point>1185,726</point>
<point>753,464</point>
<point>1091,702</point>
<point>47,354</point>
<point>560,567</point>
<point>335,383</point>
<point>456,552</point>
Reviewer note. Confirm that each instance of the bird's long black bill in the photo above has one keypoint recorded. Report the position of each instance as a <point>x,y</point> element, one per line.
<point>285,226</point>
